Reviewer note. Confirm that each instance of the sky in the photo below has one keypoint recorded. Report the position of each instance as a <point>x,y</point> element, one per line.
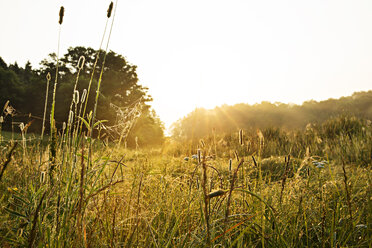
<point>206,53</point>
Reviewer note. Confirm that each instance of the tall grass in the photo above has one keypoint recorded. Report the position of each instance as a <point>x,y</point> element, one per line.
<point>152,199</point>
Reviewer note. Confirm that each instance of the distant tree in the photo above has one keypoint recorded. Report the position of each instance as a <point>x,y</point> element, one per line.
<point>266,115</point>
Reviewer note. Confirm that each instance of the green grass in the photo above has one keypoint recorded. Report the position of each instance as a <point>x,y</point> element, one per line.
<point>148,198</point>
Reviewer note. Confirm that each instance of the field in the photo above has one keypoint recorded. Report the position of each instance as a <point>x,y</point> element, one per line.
<point>88,180</point>
<point>180,196</point>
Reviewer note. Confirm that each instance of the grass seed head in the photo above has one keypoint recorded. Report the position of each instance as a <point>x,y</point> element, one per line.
<point>199,156</point>
<point>81,62</point>
<point>48,77</point>
<point>110,9</point>
<point>22,126</point>
<point>61,14</point>
<point>216,193</point>
<point>241,136</point>
<point>76,97</point>
<point>83,95</point>
<point>71,117</point>
<point>42,177</point>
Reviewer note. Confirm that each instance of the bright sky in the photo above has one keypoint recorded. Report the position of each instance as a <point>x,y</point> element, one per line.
<point>204,53</point>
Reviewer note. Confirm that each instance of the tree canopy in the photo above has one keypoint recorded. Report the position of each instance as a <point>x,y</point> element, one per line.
<point>25,89</point>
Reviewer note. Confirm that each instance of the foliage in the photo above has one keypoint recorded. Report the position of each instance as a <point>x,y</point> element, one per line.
<point>25,89</point>
<point>226,119</point>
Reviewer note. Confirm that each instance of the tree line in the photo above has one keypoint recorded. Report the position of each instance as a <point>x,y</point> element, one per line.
<point>24,88</point>
<point>226,119</point>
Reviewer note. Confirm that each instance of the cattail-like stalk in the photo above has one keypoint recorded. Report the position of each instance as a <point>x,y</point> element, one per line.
<point>241,137</point>
<point>216,193</point>
<point>199,156</point>
<point>61,14</point>
<point>109,10</point>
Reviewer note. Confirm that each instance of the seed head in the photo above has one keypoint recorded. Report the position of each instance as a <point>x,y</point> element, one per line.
<point>241,136</point>
<point>61,13</point>
<point>42,177</point>
<point>22,126</point>
<point>261,138</point>
<point>110,10</point>
<point>81,62</point>
<point>199,156</point>
<point>48,77</point>
<point>84,95</point>
<point>76,97</point>
<point>71,117</point>
<point>216,193</point>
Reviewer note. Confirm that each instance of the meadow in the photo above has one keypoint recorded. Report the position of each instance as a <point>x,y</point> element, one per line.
<point>249,193</point>
<point>80,186</point>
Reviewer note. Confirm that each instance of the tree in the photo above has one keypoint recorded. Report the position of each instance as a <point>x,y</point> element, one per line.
<point>119,87</point>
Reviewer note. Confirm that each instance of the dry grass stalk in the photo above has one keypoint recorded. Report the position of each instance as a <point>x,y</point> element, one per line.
<point>348,199</point>
<point>284,177</point>
<point>34,221</point>
<point>48,77</point>
<point>235,175</point>
<point>81,190</point>
<point>206,198</point>
<point>8,159</point>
